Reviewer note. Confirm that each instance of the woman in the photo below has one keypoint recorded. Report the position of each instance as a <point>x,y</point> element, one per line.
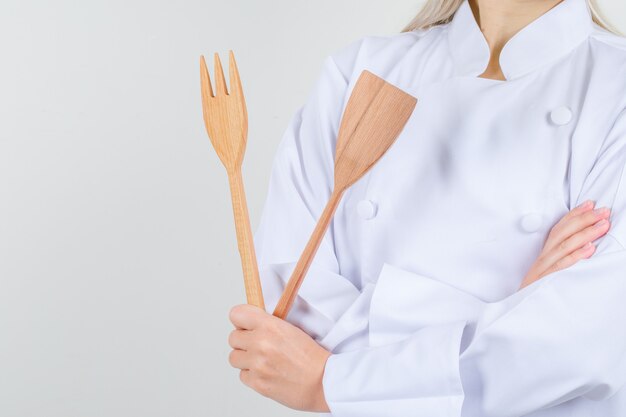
<point>455,280</point>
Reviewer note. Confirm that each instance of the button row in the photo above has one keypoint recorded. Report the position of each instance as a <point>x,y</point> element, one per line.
<point>530,222</point>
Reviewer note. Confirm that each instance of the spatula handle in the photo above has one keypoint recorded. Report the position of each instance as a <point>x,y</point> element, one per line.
<point>245,241</point>
<point>297,276</point>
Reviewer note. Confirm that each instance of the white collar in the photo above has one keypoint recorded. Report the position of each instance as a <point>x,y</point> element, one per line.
<point>543,40</point>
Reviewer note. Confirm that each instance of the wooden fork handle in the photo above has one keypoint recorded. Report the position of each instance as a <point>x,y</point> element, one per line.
<point>297,276</point>
<point>245,241</point>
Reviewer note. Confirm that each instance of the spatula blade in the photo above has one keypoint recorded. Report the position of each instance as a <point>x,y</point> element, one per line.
<point>376,114</point>
<point>364,91</point>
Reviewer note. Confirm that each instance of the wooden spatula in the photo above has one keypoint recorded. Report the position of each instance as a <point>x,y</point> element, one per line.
<point>226,122</point>
<point>375,115</point>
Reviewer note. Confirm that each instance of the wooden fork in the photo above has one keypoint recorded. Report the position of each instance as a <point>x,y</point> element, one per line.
<point>226,121</point>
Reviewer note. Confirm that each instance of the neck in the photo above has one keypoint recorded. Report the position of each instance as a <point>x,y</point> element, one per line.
<point>499,20</point>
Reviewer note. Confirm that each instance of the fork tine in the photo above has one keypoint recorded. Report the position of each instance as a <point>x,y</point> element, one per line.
<point>220,81</point>
<point>205,79</point>
<point>233,75</point>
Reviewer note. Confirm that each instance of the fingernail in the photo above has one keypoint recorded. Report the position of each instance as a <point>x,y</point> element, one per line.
<point>601,210</point>
<point>587,245</point>
<point>585,204</point>
<point>600,223</point>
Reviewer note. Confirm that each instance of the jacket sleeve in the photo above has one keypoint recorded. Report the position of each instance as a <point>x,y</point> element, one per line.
<point>560,338</point>
<point>300,185</point>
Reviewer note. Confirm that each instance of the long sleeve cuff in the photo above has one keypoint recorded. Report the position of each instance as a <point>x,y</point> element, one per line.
<point>429,359</point>
<point>372,381</point>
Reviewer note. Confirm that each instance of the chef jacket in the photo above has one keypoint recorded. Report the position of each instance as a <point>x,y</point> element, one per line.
<point>414,288</point>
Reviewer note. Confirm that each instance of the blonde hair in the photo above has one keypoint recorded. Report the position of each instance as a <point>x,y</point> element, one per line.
<point>438,12</point>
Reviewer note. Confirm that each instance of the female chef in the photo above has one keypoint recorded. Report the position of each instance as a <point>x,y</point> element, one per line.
<point>463,275</point>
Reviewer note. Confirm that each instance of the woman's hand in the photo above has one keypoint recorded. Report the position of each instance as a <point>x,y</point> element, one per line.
<point>570,240</point>
<point>277,359</point>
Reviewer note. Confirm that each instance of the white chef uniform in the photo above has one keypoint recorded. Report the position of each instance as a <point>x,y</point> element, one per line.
<point>415,286</point>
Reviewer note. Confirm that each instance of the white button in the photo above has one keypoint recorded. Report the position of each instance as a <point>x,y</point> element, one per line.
<point>561,115</point>
<point>532,222</point>
<point>366,209</point>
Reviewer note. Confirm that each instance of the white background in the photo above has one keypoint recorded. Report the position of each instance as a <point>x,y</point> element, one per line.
<point>118,257</point>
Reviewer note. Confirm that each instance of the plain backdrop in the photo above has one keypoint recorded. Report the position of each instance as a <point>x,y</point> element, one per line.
<point>118,257</point>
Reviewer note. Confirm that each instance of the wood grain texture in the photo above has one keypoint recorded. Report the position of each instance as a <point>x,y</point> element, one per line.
<point>374,117</point>
<point>226,121</point>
